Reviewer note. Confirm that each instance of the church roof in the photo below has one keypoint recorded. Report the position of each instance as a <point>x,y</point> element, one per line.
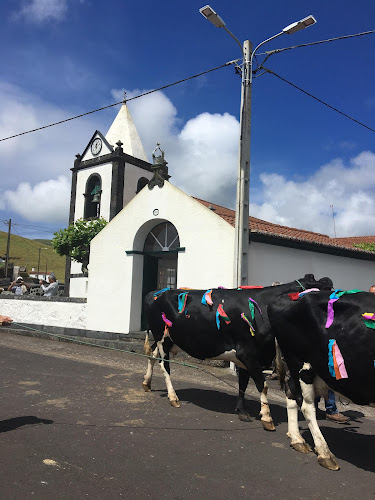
<point>123,129</point>
<point>259,226</point>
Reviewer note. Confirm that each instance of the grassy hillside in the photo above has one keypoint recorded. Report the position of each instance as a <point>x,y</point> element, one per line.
<point>25,252</point>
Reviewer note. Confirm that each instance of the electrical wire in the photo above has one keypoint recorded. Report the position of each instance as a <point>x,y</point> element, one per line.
<point>277,51</point>
<point>317,99</point>
<point>120,102</point>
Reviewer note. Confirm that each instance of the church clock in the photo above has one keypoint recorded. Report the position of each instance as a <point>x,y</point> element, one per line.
<point>96,146</point>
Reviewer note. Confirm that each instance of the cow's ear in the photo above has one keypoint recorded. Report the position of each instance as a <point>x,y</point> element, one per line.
<point>309,277</point>
<point>326,282</point>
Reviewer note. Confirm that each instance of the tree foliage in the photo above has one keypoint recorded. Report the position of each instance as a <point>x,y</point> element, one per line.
<point>74,241</point>
<point>370,247</point>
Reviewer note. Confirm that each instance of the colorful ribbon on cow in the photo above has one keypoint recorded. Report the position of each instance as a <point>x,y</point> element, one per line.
<point>207,299</point>
<point>336,363</point>
<point>298,295</point>
<point>167,322</point>
<point>252,331</point>
<point>332,299</point>
<point>252,309</point>
<point>369,320</point>
<point>159,292</point>
<point>221,313</point>
<point>182,298</point>
<point>249,287</point>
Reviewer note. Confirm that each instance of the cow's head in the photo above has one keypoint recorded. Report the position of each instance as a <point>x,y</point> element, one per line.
<point>310,282</point>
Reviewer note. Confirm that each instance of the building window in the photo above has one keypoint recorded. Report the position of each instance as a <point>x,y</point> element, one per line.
<point>92,197</point>
<point>164,237</point>
<point>142,182</point>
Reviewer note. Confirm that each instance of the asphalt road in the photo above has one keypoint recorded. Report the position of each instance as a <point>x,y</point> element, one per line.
<point>75,423</point>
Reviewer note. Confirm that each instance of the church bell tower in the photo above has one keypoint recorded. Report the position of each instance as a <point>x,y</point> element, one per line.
<point>111,170</point>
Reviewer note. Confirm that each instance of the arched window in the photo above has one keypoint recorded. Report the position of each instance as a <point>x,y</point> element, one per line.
<point>92,197</point>
<point>142,182</point>
<point>164,237</point>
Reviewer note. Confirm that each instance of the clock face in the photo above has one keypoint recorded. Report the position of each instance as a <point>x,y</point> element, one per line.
<point>96,146</point>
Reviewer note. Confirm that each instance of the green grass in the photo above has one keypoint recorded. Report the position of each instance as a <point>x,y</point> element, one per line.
<point>25,252</point>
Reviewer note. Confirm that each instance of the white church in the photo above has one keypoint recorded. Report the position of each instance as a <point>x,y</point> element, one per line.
<point>158,236</point>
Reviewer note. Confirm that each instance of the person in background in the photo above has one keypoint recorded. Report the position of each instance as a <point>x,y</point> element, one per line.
<point>18,287</point>
<point>331,411</point>
<point>372,289</point>
<point>52,289</point>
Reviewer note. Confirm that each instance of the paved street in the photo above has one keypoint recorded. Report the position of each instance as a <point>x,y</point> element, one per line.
<point>76,423</point>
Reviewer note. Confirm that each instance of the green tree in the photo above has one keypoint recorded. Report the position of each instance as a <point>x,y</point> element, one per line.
<point>74,241</point>
<point>370,247</point>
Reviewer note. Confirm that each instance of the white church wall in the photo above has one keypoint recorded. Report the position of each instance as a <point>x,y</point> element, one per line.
<point>78,286</point>
<point>114,297</point>
<point>269,263</point>
<point>132,175</point>
<point>105,172</point>
<point>45,312</point>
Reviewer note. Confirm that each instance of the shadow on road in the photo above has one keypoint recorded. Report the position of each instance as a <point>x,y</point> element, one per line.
<point>347,443</point>
<point>13,423</point>
<point>220,402</point>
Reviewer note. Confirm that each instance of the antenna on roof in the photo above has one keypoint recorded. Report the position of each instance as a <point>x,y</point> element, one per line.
<point>333,217</point>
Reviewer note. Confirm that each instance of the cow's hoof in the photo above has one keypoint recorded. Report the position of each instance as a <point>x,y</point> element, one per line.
<point>301,447</point>
<point>146,387</point>
<point>175,404</point>
<point>268,426</point>
<point>244,417</point>
<point>328,463</point>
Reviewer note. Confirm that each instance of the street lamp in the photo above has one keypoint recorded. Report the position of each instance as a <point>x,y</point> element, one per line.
<point>241,249</point>
<point>41,248</point>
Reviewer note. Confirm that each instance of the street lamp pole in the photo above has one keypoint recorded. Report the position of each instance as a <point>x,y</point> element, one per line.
<point>41,248</point>
<point>241,247</point>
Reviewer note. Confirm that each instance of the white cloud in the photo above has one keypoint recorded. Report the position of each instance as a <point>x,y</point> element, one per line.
<point>47,201</point>
<point>37,11</point>
<point>307,205</point>
<point>202,156</point>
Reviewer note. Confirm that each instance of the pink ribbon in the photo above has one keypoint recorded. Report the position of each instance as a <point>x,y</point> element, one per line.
<point>330,312</point>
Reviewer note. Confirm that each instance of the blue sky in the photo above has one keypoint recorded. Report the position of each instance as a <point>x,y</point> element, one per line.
<point>65,57</point>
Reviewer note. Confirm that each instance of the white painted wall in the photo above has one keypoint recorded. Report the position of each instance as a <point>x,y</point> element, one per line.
<point>105,172</point>
<point>132,175</point>
<point>115,283</point>
<point>78,286</point>
<point>269,263</point>
<point>45,312</point>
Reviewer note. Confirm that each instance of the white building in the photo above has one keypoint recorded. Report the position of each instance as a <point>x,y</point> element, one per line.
<point>159,236</point>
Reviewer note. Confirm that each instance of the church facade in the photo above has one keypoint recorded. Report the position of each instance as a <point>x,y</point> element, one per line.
<point>158,236</point>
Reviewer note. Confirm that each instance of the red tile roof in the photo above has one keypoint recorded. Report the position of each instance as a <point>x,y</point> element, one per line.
<point>260,226</point>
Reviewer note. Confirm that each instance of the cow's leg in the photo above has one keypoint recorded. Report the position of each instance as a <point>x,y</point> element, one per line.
<point>150,368</point>
<point>325,457</point>
<point>255,372</point>
<point>164,363</point>
<point>297,441</point>
<point>265,413</point>
<point>243,380</point>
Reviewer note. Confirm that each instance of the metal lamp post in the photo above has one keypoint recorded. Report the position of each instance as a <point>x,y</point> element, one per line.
<point>241,249</point>
<point>41,248</point>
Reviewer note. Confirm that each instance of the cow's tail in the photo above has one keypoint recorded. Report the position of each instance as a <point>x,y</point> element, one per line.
<point>280,365</point>
<point>147,345</point>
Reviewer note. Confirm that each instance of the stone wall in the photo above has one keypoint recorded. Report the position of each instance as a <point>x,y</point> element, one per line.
<point>65,312</point>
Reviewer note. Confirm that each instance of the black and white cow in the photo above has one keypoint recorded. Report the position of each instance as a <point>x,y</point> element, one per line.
<point>219,324</point>
<point>325,341</point>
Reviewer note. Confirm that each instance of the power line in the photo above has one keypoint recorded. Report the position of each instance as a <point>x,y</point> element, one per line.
<point>277,51</point>
<point>317,99</point>
<point>120,102</point>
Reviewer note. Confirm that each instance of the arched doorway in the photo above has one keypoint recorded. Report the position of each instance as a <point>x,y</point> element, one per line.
<point>160,253</point>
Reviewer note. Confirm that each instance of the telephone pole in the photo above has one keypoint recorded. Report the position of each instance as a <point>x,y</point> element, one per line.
<point>8,246</point>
